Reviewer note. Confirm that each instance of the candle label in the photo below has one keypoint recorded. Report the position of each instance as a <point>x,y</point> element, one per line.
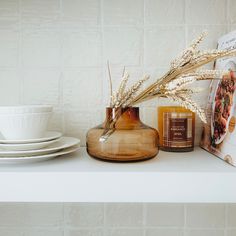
<point>177,129</point>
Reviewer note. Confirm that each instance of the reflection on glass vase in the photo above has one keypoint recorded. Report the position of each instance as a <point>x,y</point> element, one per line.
<point>131,141</point>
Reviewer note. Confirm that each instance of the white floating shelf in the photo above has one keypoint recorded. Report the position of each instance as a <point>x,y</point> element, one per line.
<point>170,177</point>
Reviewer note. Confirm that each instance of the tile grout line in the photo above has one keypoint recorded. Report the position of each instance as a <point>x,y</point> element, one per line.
<point>185,219</point>
<point>142,114</point>
<point>64,225</point>
<point>21,87</point>
<point>143,53</point>
<point>226,219</point>
<point>227,15</point>
<point>185,23</point>
<point>62,67</point>
<point>144,219</point>
<point>101,67</point>
<point>60,227</point>
<point>102,58</point>
<point>61,91</point>
<point>104,218</point>
<point>143,36</point>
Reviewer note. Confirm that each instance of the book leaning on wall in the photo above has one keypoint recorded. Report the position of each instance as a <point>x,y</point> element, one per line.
<point>219,134</point>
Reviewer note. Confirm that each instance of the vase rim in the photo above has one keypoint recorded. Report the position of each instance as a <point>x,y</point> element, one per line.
<point>131,107</point>
<point>127,111</point>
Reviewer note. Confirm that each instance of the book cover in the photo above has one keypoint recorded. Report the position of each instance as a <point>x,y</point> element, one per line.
<point>219,134</point>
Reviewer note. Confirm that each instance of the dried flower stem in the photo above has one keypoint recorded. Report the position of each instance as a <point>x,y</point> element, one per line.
<point>173,74</point>
<point>172,85</point>
<point>110,81</point>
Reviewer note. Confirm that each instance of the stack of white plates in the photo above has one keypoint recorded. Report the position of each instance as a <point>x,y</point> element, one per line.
<point>51,145</point>
<point>24,136</point>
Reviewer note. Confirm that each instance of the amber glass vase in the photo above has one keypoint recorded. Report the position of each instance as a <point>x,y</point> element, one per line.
<point>131,140</point>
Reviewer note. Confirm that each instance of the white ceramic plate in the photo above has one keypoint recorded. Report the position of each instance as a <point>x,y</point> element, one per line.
<point>49,135</point>
<point>26,146</point>
<point>31,159</point>
<point>64,142</point>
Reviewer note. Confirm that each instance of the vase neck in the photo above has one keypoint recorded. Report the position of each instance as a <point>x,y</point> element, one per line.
<point>126,115</point>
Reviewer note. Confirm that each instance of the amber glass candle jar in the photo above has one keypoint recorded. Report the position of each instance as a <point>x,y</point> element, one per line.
<point>176,127</point>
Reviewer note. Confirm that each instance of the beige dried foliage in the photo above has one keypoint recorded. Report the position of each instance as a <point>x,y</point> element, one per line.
<point>124,96</point>
<point>173,85</point>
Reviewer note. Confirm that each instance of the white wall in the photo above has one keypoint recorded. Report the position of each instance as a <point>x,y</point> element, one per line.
<point>127,219</point>
<point>55,51</point>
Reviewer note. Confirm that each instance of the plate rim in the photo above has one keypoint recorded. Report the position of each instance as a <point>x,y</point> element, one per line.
<point>64,145</point>
<point>17,160</point>
<point>55,135</point>
<point>8,147</point>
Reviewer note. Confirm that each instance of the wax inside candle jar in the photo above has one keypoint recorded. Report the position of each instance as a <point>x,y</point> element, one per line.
<point>176,127</point>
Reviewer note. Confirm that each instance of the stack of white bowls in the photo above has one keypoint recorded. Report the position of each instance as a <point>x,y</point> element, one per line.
<point>24,136</point>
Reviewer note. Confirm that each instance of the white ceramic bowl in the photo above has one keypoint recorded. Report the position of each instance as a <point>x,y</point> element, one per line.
<point>25,109</point>
<point>24,126</point>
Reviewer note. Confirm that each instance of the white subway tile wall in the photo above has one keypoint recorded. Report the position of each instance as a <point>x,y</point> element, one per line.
<point>84,215</point>
<point>165,215</point>
<point>123,215</point>
<point>55,51</point>
<point>202,215</point>
<point>117,219</point>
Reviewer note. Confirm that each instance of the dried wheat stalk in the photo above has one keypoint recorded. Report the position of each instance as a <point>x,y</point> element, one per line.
<point>124,97</point>
<point>110,80</point>
<point>173,85</point>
